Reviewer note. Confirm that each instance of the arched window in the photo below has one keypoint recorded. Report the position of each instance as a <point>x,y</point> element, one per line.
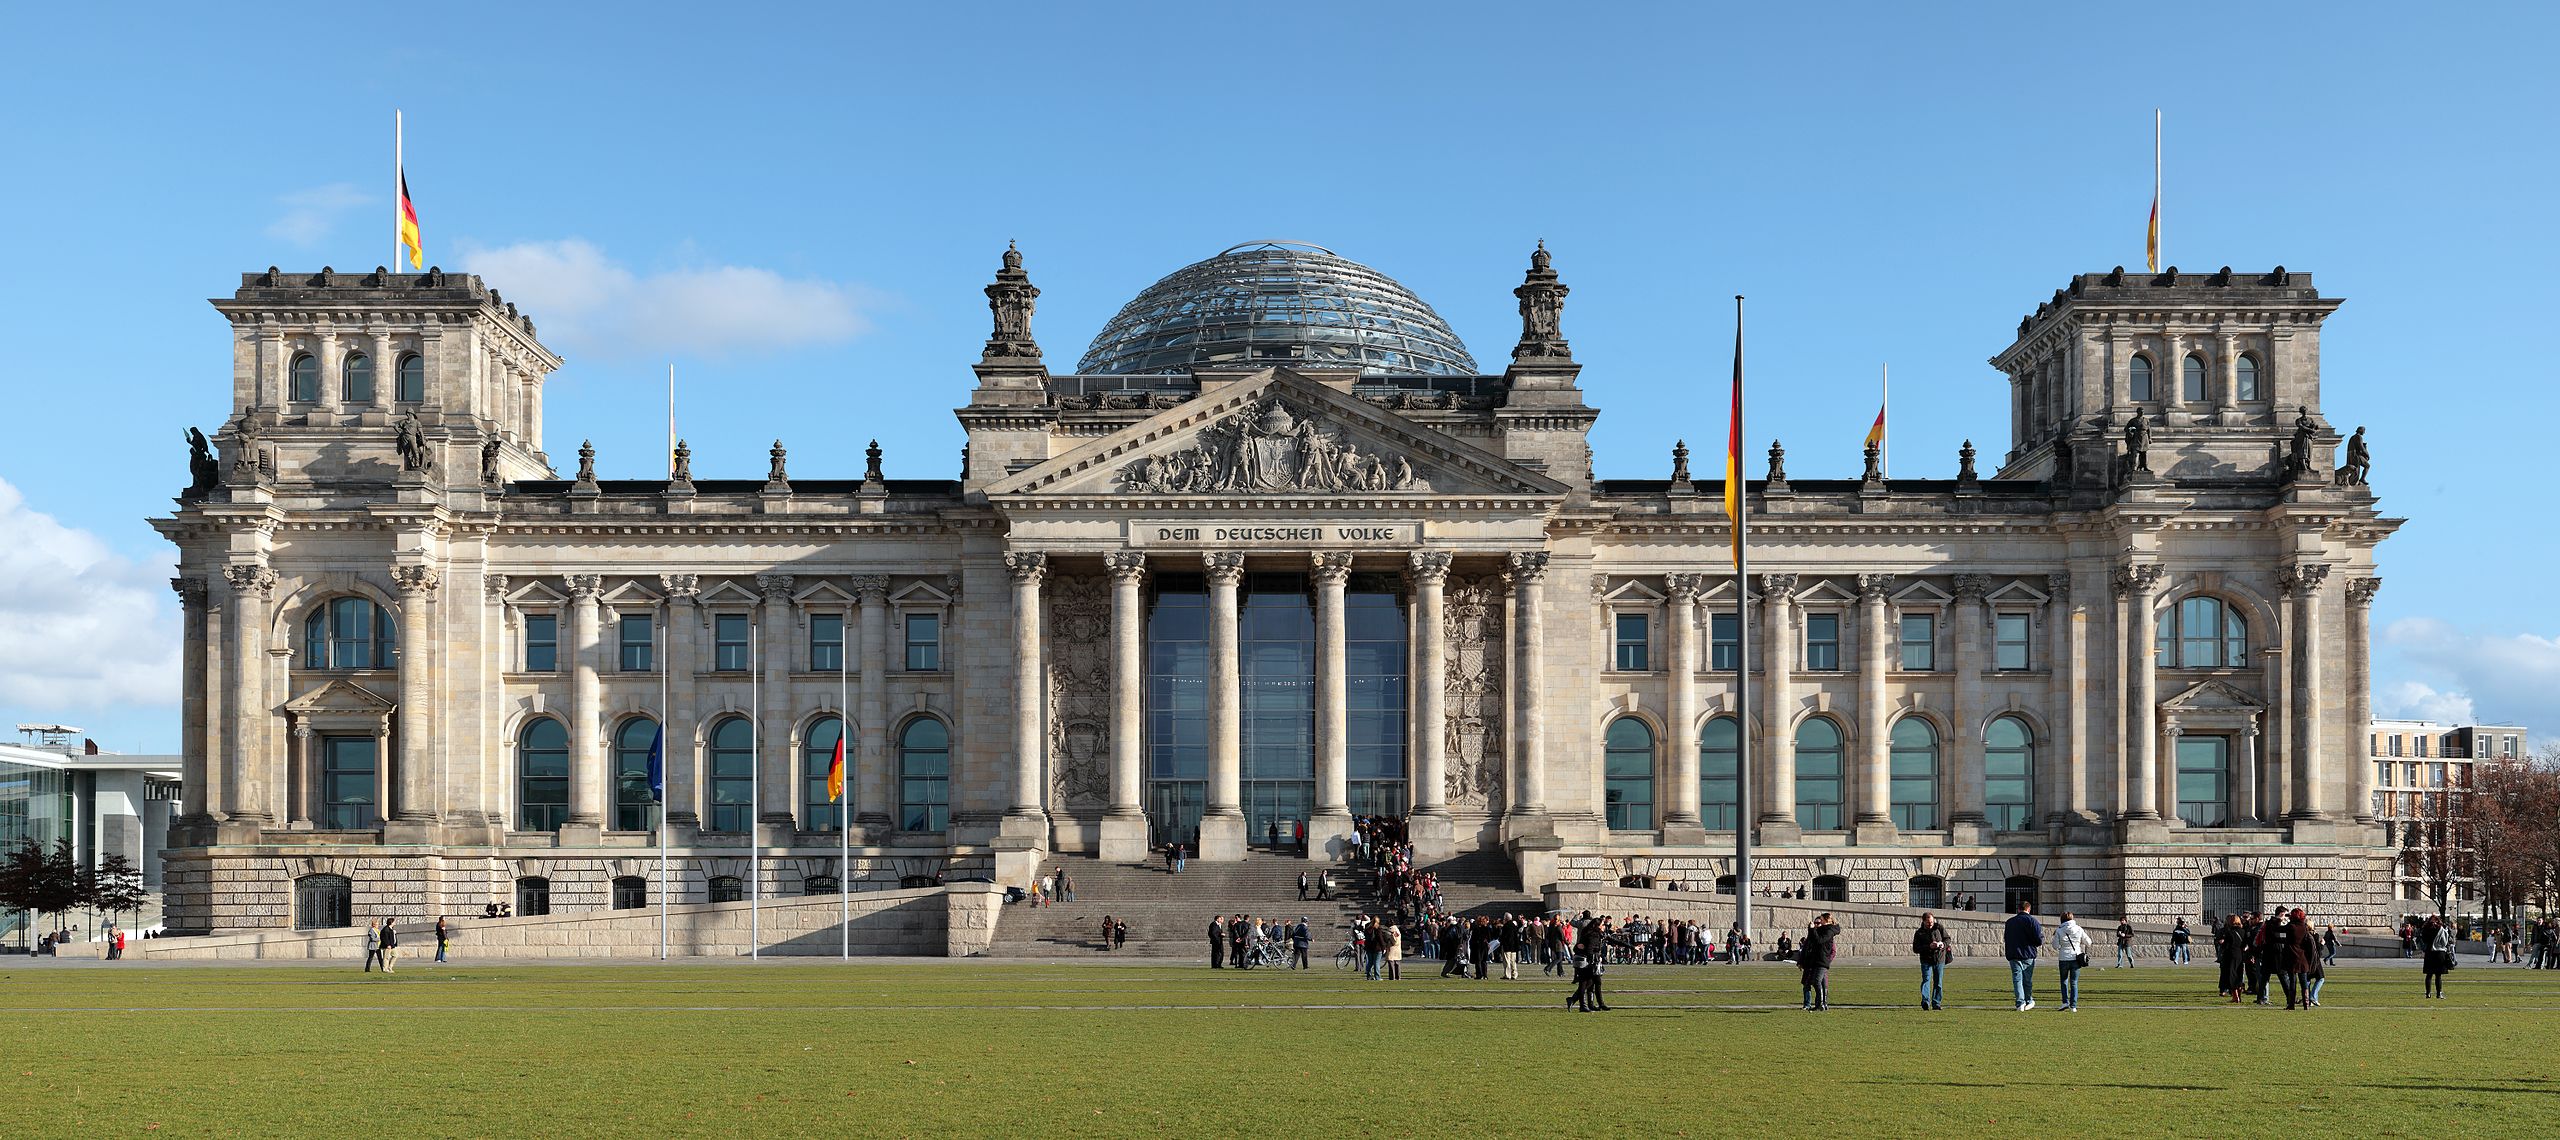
<point>323,902</point>
<point>1719,774</point>
<point>1915,774</point>
<point>727,888</point>
<point>2191,380</point>
<point>2141,379</point>
<point>348,633</point>
<point>821,885</point>
<point>632,797</point>
<point>1830,888</point>
<point>733,773</point>
<point>1818,781</point>
<point>1928,892</point>
<point>820,811</point>
<point>410,387</point>
<point>359,376</point>
<point>924,776</point>
<point>2009,774</point>
<point>305,383</point>
<point>542,776</point>
<point>1628,764</point>
<point>2248,368</point>
<point>533,896</point>
<point>2202,633</point>
<point>2020,889</point>
<point>630,892</point>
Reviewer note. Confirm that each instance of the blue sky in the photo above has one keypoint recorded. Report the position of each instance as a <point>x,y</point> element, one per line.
<point>798,206</point>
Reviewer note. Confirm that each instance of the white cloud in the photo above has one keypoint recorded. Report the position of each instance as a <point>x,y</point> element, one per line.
<point>2506,677</point>
<point>2417,700</point>
<point>310,214</point>
<point>587,302</point>
<point>82,628</point>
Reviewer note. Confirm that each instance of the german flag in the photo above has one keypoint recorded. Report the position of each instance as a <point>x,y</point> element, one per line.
<point>835,770</point>
<point>409,225</point>
<point>1733,490</point>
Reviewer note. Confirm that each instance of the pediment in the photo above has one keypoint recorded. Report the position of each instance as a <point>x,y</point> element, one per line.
<point>1277,434</point>
<point>339,698</point>
<point>2214,696</point>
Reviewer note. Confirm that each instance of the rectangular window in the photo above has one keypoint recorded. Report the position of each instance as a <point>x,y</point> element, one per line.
<point>1724,642</point>
<point>1822,641</point>
<point>924,643</point>
<point>639,637</point>
<point>1919,642</point>
<point>2435,775</point>
<point>2009,644</point>
<point>2510,752</point>
<point>2382,774</point>
<point>2422,746</point>
<point>2204,780</point>
<point>2395,744</point>
<point>1631,643</point>
<point>348,796</point>
<point>729,645</point>
<point>826,643</point>
<point>541,643</point>
<point>2408,775</point>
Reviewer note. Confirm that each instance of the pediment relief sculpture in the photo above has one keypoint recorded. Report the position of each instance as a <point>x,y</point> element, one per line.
<point>1271,446</point>
<point>2214,696</point>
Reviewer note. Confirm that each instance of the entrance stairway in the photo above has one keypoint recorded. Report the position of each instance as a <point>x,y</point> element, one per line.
<point>1168,914</point>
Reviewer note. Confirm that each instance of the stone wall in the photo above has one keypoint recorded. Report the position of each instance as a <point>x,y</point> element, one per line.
<point>925,922</point>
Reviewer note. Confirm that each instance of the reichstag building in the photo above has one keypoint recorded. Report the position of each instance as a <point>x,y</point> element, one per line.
<point>1277,551</point>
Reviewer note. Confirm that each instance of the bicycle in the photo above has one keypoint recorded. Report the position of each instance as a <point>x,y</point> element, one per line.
<point>1347,958</point>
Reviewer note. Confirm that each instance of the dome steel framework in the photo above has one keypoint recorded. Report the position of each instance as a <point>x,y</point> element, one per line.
<point>1277,301</point>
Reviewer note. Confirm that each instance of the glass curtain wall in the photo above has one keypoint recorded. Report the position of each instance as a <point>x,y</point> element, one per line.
<point>1373,621</point>
<point>1277,653</point>
<point>1177,708</point>
<point>35,804</point>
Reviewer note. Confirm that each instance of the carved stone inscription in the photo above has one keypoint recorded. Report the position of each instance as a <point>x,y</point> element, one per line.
<point>1281,535</point>
<point>1079,692</point>
<point>1472,623</point>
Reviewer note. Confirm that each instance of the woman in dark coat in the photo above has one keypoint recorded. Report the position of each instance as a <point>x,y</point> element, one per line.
<point>2436,938</point>
<point>2231,952</point>
<point>1813,961</point>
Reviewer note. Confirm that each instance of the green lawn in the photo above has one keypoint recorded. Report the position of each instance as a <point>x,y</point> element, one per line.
<point>1019,1050</point>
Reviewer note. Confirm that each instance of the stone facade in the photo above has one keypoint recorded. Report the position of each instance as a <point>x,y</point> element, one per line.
<point>420,659</point>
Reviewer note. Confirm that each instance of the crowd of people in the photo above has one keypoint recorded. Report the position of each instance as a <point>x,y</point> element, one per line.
<point>2282,946</point>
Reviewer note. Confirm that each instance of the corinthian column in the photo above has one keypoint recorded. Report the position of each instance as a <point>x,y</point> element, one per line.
<point>1528,573</point>
<point>244,782</point>
<point>1680,817</point>
<point>1875,756</point>
<point>1777,654</point>
<point>1124,826</point>
<point>2141,584</point>
<point>192,599</point>
<point>773,736</point>
<point>2062,781</point>
<point>682,663</point>
<point>1431,829</point>
<point>1964,744</point>
<point>1222,820</point>
<point>876,782</point>
<point>2310,787</point>
<point>2360,594</point>
<point>586,710</point>
<point>1332,816</point>
<point>1024,816</point>
<point>417,806</point>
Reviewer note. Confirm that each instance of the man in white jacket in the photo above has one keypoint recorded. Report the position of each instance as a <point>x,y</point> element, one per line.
<point>2071,953</point>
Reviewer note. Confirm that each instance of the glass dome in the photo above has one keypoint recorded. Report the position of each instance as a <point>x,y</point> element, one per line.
<point>1272,301</point>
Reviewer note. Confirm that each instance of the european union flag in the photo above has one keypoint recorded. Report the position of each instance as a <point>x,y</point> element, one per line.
<point>658,767</point>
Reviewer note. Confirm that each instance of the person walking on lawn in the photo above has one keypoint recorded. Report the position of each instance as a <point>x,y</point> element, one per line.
<point>390,945</point>
<point>443,936</point>
<point>2070,956</point>
<point>2124,944</point>
<point>1813,961</point>
<point>2231,953</point>
<point>2019,940</point>
<point>1933,947</point>
<point>2437,937</point>
<point>372,945</point>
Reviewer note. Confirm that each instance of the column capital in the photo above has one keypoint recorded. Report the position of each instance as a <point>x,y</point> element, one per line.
<point>1778,587</point>
<point>1526,566</point>
<point>1430,567</point>
<point>1027,567</point>
<point>250,579</point>
<point>1972,587</point>
<point>416,581</point>
<point>1126,565</point>
<point>681,587</point>
<point>2141,578</point>
<point>873,589</point>
<point>1333,567</point>
<point>1684,587</point>
<point>191,591</point>
<point>2058,587</point>
<point>2302,577</point>
<point>585,587</point>
<point>1874,587</point>
<point>2360,591</point>
<point>1225,567</point>
<point>774,587</point>
<point>496,586</point>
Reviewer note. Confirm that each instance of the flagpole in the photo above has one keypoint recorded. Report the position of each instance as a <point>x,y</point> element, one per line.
<point>1744,820</point>
<point>666,614</point>
<point>398,167</point>
<point>2159,223</point>
<point>844,783</point>
<point>671,420</point>
<point>755,792</point>
<point>1884,411</point>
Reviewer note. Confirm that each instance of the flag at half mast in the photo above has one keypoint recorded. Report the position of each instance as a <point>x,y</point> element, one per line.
<point>1733,496</point>
<point>835,769</point>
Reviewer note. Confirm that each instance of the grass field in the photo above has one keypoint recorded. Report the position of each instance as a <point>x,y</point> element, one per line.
<point>1032,1050</point>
